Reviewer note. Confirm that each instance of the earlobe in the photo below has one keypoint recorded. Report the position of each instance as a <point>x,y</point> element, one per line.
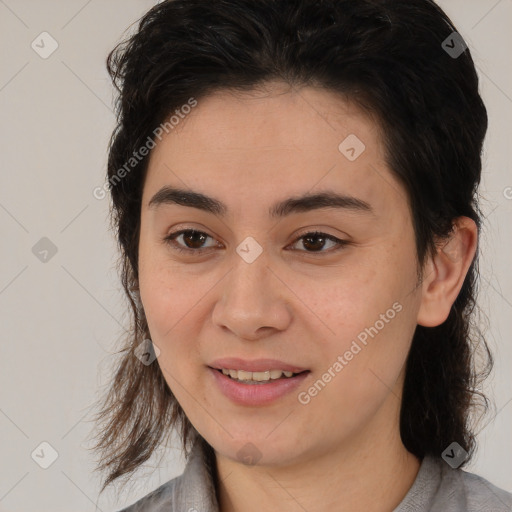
<point>444,273</point>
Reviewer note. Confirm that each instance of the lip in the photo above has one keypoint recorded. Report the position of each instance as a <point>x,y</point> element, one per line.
<point>255,365</point>
<point>255,394</point>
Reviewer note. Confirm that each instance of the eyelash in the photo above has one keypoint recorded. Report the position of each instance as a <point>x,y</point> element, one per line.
<point>170,240</point>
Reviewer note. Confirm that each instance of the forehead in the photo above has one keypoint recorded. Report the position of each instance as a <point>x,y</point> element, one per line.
<point>246,147</point>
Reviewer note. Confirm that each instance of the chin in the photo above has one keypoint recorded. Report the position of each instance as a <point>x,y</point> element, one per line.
<point>253,448</point>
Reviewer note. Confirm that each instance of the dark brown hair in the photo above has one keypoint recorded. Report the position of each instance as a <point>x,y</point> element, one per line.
<point>387,56</point>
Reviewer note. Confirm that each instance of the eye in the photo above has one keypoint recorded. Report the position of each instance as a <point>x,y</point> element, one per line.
<point>313,241</point>
<point>191,237</point>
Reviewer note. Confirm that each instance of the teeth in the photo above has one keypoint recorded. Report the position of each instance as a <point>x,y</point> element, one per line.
<point>275,374</point>
<point>244,375</point>
<point>259,376</point>
<point>256,376</point>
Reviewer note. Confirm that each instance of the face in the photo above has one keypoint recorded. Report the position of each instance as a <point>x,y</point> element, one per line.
<point>303,259</point>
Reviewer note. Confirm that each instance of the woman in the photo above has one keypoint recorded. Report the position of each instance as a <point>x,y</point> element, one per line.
<point>294,190</point>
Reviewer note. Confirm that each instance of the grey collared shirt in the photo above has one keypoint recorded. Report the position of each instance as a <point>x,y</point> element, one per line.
<point>437,488</point>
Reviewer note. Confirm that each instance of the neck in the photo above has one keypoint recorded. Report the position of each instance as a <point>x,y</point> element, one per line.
<point>371,471</point>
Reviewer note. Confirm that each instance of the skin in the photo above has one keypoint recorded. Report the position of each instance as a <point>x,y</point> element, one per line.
<point>249,151</point>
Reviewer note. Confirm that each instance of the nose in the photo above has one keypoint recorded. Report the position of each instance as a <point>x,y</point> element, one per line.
<point>253,303</point>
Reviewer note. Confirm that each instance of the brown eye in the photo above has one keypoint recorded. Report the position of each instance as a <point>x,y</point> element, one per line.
<point>315,241</point>
<point>192,240</point>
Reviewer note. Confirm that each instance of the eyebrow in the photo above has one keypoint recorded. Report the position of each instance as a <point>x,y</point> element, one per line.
<point>304,203</point>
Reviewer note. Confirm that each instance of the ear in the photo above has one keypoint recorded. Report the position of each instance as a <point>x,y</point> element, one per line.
<point>444,273</point>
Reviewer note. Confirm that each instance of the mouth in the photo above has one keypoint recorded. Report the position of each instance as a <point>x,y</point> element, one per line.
<point>262,377</point>
<point>256,382</point>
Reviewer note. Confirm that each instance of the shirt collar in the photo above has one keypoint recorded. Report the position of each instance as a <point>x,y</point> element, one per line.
<point>195,489</point>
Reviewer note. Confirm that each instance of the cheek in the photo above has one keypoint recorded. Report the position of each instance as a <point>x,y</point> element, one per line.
<point>355,295</point>
<point>164,291</point>
<point>371,314</point>
<point>358,378</point>
<point>168,307</point>
<point>176,304</point>
<point>165,300</point>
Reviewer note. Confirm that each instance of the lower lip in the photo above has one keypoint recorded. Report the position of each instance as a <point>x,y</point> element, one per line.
<point>256,394</point>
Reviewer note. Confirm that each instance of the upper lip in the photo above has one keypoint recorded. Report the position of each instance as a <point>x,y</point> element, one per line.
<point>254,365</point>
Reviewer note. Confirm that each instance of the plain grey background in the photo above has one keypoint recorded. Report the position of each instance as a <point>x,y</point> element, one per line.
<point>61,318</point>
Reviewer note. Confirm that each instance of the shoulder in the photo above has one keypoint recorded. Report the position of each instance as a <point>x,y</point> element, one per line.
<point>483,496</point>
<point>158,500</point>
<point>193,490</point>
<point>464,491</point>
<point>440,487</point>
